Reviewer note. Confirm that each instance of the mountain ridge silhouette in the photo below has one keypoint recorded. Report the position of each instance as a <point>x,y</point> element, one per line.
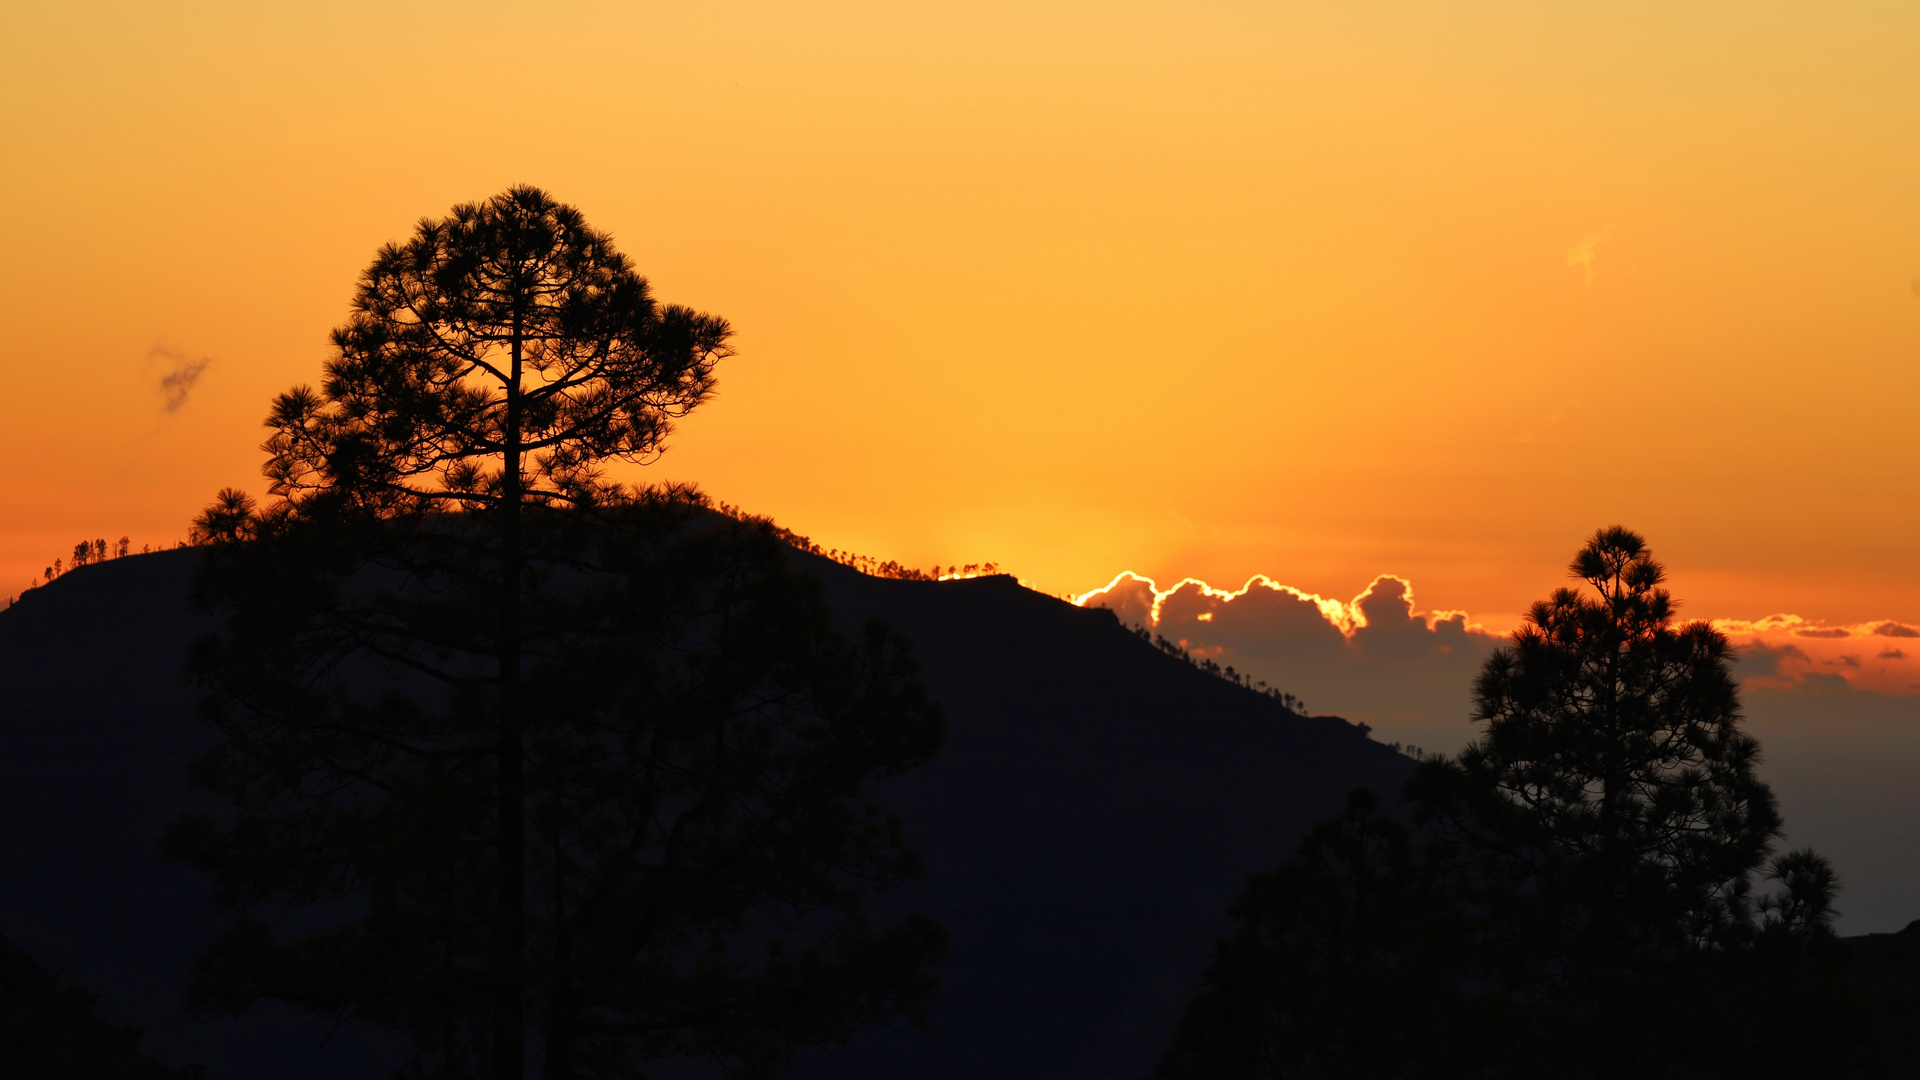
<point>1097,807</point>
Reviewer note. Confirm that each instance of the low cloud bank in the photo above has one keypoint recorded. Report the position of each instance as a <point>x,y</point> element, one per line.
<point>1375,658</point>
<point>1379,659</point>
<point>1787,652</point>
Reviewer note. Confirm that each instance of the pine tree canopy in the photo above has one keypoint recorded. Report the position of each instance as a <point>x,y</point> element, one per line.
<point>1573,895</point>
<point>577,771</point>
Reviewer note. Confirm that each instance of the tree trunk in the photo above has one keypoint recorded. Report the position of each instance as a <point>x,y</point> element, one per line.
<point>561,1031</point>
<point>510,930</point>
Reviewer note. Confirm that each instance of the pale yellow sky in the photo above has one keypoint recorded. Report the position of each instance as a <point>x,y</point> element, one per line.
<point>1316,291</point>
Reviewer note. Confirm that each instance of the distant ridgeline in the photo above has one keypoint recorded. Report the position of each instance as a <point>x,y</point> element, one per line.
<point>1212,667</point>
<point>86,553</point>
<point>866,564</point>
<point>1258,686</point>
<point>899,572</point>
<point>1099,804</point>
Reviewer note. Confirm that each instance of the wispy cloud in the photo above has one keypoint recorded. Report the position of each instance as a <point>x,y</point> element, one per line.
<point>181,376</point>
<point>1585,251</point>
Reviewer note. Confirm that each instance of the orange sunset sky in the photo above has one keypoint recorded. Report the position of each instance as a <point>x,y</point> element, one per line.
<point>1200,289</point>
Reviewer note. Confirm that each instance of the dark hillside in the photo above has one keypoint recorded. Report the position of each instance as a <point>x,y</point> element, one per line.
<point>1886,967</point>
<point>52,1031</point>
<point>1098,805</point>
<point>98,727</point>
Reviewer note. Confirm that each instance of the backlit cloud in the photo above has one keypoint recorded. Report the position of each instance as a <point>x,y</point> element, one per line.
<point>1379,659</point>
<point>1781,651</point>
<point>1375,658</point>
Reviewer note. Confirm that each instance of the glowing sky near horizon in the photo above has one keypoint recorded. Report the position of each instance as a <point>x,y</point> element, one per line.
<point>1212,289</point>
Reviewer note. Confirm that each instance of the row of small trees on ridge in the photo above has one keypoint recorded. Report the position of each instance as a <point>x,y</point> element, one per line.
<point>85,553</point>
<point>867,564</point>
<point>1213,667</point>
